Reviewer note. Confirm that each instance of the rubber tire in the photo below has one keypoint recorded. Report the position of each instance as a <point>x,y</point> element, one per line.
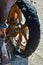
<point>32,21</point>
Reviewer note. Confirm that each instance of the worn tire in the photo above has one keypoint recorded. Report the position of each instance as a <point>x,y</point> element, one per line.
<point>32,22</point>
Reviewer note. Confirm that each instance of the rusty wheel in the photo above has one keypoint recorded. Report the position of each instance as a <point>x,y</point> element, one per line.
<point>31,24</point>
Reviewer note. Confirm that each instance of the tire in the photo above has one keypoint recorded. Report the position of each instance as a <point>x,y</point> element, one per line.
<point>32,22</point>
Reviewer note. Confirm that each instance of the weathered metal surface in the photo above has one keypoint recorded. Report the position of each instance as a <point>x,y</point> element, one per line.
<point>4,9</point>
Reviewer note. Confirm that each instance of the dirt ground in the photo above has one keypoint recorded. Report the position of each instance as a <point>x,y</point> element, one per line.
<point>37,57</point>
